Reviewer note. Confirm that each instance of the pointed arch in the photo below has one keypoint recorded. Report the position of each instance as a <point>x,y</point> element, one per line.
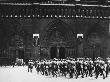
<point>61,27</point>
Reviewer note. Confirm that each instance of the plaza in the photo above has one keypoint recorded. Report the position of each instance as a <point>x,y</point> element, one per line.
<point>20,74</point>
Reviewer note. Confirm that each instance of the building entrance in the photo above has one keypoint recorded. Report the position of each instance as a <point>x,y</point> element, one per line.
<point>62,53</point>
<point>53,52</point>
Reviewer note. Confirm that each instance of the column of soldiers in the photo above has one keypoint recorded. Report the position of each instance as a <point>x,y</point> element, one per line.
<point>79,67</point>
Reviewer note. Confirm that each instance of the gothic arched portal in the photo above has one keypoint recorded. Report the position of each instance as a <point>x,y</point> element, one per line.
<point>55,35</point>
<point>61,29</point>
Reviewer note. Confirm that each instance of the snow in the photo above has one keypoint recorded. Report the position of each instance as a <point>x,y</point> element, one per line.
<point>21,74</point>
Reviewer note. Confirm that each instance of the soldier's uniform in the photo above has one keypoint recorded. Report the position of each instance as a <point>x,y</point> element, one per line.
<point>90,68</point>
<point>50,67</point>
<point>99,69</point>
<point>71,68</point>
<point>64,68</point>
<point>85,68</point>
<point>38,67</point>
<point>42,67</point>
<point>106,68</point>
<point>30,65</point>
<point>79,69</point>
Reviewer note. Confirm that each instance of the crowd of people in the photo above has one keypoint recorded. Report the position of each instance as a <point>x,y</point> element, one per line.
<point>80,67</point>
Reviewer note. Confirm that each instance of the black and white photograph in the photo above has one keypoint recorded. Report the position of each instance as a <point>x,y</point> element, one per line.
<point>54,40</point>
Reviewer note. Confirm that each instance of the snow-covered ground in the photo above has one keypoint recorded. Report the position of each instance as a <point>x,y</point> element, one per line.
<point>20,74</point>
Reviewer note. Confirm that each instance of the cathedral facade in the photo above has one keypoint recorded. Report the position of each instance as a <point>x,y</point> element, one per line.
<point>63,31</point>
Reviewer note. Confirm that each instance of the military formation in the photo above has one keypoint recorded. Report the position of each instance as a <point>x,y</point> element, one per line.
<point>74,68</point>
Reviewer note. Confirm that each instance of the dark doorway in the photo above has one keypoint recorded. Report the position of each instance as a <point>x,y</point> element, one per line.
<point>53,52</point>
<point>21,54</point>
<point>62,53</point>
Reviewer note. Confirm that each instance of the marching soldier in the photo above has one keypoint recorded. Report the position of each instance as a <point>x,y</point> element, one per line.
<point>79,68</point>
<point>106,68</point>
<point>85,68</point>
<point>30,65</point>
<point>99,69</point>
<point>91,68</point>
<point>13,63</point>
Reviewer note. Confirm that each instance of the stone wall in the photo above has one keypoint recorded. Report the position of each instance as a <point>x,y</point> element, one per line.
<point>26,27</point>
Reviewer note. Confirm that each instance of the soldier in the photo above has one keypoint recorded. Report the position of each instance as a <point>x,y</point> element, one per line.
<point>79,69</point>
<point>50,67</point>
<point>61,67</point>
<point>90,68</point>
<point>85,68</point>
<point>42,67</point>
<point>46,68</point>
<point>13,63</point>
<point>71,70</point>
<point>36,62</point>
<point>64,67</point>
<point>54,68</point>
<point>38,67</point>
<point>30,65</point>
<point>106,68</point>
<point>99,69</point>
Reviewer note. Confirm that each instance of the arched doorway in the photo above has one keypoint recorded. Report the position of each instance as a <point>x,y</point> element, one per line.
<point>53,52</point>
<point>62,53</point>
<point>57,34</point>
